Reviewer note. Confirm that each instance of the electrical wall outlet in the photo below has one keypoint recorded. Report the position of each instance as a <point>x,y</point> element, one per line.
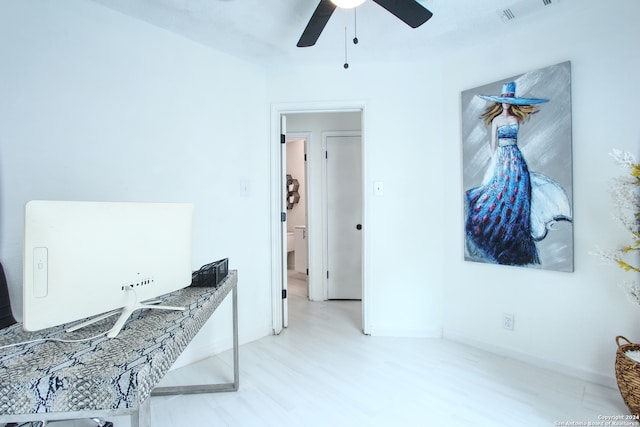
<point>507,321</point>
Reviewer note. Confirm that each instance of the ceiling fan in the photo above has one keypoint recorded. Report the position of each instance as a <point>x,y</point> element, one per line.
<point>410,12</point>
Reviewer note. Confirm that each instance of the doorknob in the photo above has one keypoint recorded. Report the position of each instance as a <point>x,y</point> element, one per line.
<point>359,227</point>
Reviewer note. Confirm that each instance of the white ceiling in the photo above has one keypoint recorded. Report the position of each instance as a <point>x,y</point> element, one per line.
<point>266,31</point>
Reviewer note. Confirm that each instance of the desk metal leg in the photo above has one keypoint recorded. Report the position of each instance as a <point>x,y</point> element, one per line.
<point>236,355</point>
<point>212,388</point>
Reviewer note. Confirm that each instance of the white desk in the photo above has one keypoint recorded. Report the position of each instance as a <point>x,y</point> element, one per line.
<point>105,377</point>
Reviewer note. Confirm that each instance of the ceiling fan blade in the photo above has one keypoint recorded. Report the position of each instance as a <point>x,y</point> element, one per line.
<point>410,12</point>
<point>316,24</point>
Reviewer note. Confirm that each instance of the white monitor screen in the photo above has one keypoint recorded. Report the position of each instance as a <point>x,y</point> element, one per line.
<point>80,257</point>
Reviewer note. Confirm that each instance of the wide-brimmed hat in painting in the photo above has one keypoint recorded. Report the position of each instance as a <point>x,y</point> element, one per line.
<point>508,96</point>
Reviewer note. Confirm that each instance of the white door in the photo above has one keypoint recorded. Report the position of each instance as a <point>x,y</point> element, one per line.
<point>343,217</point>
<point>283,213</point>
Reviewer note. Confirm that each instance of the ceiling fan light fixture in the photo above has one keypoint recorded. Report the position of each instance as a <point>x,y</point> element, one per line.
<point>347,4</point>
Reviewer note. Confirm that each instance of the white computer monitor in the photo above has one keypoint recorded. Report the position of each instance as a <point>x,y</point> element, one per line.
<point>83,259</point>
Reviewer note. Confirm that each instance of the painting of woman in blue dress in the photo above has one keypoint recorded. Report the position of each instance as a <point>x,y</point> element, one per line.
<point>514,207</point>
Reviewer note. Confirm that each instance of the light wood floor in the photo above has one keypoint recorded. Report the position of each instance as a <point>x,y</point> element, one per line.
<point>322,371</point>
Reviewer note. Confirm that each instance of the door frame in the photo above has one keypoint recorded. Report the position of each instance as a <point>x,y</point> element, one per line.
<point>284,286</point>
<point>325,204</point>
<point>278,110</point>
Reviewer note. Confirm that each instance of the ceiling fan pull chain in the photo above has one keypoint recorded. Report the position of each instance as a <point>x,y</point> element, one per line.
<point>355,26</point>
<point>346,63</point>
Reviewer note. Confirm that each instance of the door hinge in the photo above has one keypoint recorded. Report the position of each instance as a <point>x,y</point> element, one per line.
<point>326,154</point>
<point>282,138</point>
<point>305,157</point>
<point>327,274</point>
<point>307,271</point>
<point>284,294</point>
<point>283,217</point>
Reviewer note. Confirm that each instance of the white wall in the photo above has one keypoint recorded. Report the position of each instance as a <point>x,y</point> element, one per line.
<point>96,105</point>
<point>567,321</point>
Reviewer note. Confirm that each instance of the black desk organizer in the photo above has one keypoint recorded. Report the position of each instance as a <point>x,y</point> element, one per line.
<point>210,274</point>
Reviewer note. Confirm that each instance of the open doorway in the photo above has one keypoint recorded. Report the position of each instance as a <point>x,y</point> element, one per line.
<point>296,219</point>
<point>315,126</point>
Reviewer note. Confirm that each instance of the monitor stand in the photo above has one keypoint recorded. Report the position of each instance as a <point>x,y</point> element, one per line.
<point>125,312</point>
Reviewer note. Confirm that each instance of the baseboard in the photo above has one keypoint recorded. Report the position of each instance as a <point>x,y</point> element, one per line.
<point>582,374</point>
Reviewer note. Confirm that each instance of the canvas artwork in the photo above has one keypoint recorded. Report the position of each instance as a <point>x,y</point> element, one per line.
<point>517,170</point>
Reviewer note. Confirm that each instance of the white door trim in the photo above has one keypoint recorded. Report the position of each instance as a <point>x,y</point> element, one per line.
<point>284,287</point>
<point>278,110</point>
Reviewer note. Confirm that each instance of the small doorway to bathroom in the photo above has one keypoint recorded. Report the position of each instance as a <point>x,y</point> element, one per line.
<point>297,205</point>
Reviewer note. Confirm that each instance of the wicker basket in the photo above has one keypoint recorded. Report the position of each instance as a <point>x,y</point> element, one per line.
<point>628,375</point>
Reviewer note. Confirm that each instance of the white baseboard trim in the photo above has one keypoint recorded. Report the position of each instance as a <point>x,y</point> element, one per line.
<point>582,374</point>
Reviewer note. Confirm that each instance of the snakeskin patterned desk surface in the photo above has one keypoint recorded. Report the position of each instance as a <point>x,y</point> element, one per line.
<point>102,373</point>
